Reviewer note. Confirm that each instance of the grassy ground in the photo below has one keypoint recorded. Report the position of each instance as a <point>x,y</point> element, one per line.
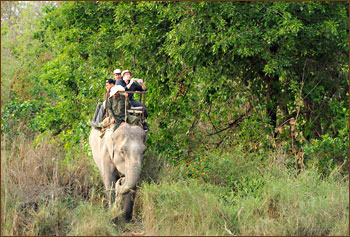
<point>284,204</point>
<point>45,193</point>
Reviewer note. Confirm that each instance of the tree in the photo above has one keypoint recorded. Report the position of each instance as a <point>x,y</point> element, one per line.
<point>20,53</point>
<point>211,68</point>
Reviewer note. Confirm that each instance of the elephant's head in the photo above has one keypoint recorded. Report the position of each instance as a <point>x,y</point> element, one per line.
<point>128,148</point>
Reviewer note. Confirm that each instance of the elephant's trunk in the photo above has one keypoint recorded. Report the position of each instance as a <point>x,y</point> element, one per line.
<point>132,176</point>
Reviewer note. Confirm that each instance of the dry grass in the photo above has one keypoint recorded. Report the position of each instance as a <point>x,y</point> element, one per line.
<point>44,192</point>
<point>34,175</point>
<point>47,192</point>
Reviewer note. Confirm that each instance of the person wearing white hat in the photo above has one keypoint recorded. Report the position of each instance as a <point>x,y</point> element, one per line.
<point>116,107</point>
<point>117,74</point>
<point>116,89</point>
<point>133,84</point>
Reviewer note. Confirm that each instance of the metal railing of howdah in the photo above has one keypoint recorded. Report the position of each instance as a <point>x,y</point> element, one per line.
<point>142,97</point>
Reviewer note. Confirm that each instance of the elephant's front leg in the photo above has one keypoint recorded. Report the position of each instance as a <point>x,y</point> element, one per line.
<point>109,176</point>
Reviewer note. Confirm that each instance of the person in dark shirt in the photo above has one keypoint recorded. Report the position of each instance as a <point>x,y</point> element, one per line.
<point>133,84</point>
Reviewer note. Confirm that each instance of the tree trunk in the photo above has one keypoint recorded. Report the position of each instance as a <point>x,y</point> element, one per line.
<point>272,93</point>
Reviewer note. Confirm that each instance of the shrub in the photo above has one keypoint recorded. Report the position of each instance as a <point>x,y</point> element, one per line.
<point>238,172</point>
<point>16,112</point>
<point>329,153</point>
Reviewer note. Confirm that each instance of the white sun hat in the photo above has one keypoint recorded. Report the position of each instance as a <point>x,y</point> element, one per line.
<point>125,71</point>
<point>117,71</point>
<point>115,89</point>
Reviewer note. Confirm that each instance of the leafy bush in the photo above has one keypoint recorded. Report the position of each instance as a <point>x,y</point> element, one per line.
<point>16,112</point>
<point>329,153</point>
<point>239,173</point>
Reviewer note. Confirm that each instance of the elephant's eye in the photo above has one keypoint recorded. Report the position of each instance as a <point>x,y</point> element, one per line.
<point>122,152</point>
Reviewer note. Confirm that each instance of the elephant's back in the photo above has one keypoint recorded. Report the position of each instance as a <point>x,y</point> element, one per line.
<point>128,130</point>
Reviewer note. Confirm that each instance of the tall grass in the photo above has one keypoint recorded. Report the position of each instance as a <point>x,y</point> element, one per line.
<point>41,189</point>
<point>181,209</point>
<point>44,193</point>
<point>285,204</point>
<point>303,205</point>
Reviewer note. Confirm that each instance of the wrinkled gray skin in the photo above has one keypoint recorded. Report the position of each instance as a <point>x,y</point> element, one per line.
<point>118,156</point>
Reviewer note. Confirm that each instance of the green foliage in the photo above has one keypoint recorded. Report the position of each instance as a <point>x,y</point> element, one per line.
<point>242,178</point>
<point>16,113</point>
<point>21,54</point>
<point>209,67</point>
<point>329,153</point>
<point>225,81</point>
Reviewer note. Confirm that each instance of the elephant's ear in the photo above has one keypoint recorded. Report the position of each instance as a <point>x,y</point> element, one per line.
<point>109,144</point>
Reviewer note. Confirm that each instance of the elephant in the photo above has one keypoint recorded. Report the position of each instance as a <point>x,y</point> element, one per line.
<point>118,155</point>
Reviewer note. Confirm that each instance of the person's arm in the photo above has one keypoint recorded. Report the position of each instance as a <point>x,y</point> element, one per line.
<point>143,86</point>
<point>138,87</point>
<point>130,83</point>
<point>104,97</point>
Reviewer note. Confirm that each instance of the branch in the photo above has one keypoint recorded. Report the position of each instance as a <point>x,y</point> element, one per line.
<point>235,122</point>
<point>288,117</point>
<point>230,125</point>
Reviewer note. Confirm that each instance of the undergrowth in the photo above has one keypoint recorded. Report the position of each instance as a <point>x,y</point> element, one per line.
<point>287,204</point>
<point>232,193</point>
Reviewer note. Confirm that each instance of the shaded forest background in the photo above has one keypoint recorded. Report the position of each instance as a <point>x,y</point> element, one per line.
<point>235,89</point>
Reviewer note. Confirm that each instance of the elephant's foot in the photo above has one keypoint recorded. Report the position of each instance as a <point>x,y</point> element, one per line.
<point>125,199</point>
<point>128,205</point>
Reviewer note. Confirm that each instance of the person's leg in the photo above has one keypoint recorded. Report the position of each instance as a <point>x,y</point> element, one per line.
<point>98,107</point>
<point>100,116</point>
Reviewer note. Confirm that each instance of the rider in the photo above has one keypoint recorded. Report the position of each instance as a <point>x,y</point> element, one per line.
<point>100,111</point>
<point>117,106</point>
<point>133,84</point>
<point>117,74</point>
